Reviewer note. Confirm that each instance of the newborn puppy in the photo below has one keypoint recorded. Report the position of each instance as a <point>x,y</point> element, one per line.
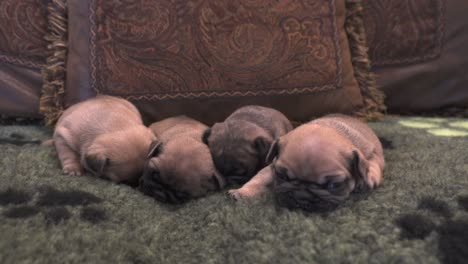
<point>180,166</point>
<point>240,144</point>
<point>317,165</point>
<point>105,136</point>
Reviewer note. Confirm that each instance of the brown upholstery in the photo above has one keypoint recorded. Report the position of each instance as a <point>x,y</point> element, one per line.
<point>419,51</point>
<point>23,50</point>
<point>207,58</point>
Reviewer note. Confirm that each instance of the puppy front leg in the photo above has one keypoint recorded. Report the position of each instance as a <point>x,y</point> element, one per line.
<point>68,157</point>
<point>374,175</point>
<point>257,185</point>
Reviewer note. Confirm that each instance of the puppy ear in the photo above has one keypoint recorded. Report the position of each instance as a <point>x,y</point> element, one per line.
<point>206,135</point>
<point>154,149</point>
<point>359,168</point>
<point>262,145</point>
<point>96,164</point>
<point>273,152</point>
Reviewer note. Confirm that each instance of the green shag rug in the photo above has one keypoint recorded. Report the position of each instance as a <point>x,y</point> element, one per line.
<point>418,215</point>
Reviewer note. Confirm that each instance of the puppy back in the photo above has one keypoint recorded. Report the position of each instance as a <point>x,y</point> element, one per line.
<point>99,115</point>
<point>272,121</point>
<point>179,126</point>
<point>359,133</point>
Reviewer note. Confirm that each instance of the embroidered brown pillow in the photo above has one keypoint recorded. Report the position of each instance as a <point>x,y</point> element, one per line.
<point>419,52</point>
<point>207,58</point>
<point>23,51</point>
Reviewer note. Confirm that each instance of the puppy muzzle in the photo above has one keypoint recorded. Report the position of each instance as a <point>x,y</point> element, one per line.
<point>294,197</point>
<point>151,185</point>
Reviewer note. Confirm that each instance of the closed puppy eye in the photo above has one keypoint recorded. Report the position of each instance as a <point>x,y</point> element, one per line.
<point>282,173</point>
<point>333,185</point>
<point>282,176</point>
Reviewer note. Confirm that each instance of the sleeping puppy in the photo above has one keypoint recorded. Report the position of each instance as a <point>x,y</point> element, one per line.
<point>317,165</point>
<point>104,136</point>
<point>180,166</point>
<point>240,144</point>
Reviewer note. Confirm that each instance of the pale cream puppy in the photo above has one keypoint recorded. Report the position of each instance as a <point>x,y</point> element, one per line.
<point>105,136</point>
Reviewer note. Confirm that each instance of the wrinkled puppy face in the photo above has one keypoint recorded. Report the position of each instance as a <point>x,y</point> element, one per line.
<point>315,171</point>
<point>119,157</point>
<point>179,170</point>
<point>237,155</point>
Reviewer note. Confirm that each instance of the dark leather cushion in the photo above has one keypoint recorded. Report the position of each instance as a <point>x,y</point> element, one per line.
<point>20,89</point>
<point>419,51</point>
<point>207,58</point>
<point>23,49</point>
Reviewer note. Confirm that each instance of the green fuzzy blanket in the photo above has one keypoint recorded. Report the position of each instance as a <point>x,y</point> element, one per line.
<point>418,215</point>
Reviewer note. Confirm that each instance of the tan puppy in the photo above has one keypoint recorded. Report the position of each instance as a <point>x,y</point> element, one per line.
<point>317,165</point>
<point>180,166</point>
<point>239,145</point>
<point>104,135</point>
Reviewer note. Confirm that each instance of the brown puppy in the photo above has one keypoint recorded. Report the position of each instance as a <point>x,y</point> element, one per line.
<point>180,166</point>
<point>240,144</point>
<point>317,165</point>
<point>104,135</point>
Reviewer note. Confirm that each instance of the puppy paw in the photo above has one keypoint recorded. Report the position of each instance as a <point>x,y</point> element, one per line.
<point>240,194</point>
<point>72,170</point>
<point>374,178</point>
<point>234,195</point>
<point>372,183</point>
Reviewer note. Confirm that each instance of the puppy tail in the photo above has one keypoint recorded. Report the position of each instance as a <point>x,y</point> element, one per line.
<point>48,142</point>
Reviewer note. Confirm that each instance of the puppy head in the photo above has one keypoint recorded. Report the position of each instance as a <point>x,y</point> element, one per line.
<point>238,149</point>
<point>178,170</point>
<point>315,168</point>
<point>119,156</point>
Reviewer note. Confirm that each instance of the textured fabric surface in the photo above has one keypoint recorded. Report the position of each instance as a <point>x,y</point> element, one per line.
<point>418,215</point>
<point>23,25</point>
<point>23,49</point>
<point>402,31</point>
<point>418,50</point>
<point>176,57</point>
